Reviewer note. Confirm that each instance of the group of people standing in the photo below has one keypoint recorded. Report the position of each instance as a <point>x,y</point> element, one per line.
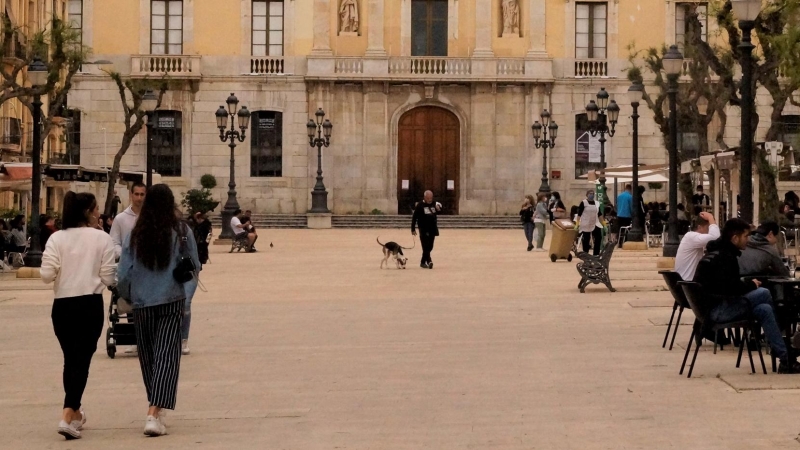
<point>151,243</point>
<point>536,214</point>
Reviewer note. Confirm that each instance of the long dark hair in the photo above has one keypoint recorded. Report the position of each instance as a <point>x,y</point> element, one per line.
<point>151,238</point>
<point>77,208</point>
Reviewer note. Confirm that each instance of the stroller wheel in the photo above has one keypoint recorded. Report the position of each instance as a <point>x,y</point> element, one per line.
<point>111,347</point>
<point>569,258</point>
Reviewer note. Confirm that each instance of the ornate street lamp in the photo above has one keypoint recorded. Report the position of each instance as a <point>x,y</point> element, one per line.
<point>540,131</point>
<point>673,64</point>
<point>322,129</point>
<point>603,116</point>
<point>231,136</point>
<point>635,93</point>
<point>747,12</point>
<point>37,75</point>
<point>149,105</point>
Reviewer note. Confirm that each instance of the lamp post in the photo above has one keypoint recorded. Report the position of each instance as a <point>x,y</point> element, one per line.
<point>635,234</point>
<point>231,136</point>
<point>149,105</point>
<point>673,63</point>
<point>37,74</point>
<point>322,129</point>
<point>747,12</point>
<point>603,116</point>
<point>541,141</point>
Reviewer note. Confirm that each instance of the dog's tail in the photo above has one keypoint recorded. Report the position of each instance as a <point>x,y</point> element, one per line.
<point>412,247</point>
<point>379,241</point>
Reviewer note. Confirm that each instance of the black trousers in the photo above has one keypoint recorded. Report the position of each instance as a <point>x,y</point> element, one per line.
<point>427,247</point>
<point>78,324</point>
<point>596,235</point>
<point>158,335</point>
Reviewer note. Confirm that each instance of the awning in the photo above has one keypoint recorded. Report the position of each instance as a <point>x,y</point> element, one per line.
<point>17,171</point>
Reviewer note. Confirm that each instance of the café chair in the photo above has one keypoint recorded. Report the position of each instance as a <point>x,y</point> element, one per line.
<point>694,296</point>
<point>672,279</point>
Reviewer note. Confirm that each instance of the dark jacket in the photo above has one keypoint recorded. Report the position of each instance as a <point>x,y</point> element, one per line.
<point>425,215</point>
<point>761,258</point>
<point>718,272</point>
<point>526,214</point>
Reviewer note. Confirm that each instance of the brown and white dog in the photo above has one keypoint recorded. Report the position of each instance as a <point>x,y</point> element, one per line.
<point>394,250</point>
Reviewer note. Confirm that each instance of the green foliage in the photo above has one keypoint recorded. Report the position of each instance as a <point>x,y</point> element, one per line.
<point>655,186</point>
<point>198,200</point>
<point>360,213</point>
<point>9,214</point>
<point>208,181</point>
<point>377,212</point>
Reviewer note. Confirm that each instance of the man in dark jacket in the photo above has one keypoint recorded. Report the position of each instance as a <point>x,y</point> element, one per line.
<point>730,299</point>
<point>425,215</point>
<point>761,257</point>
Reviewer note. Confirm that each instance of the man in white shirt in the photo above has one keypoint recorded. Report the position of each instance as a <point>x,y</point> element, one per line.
<point>242,231</point>
<point>693,245</point>
<point>125,221</point>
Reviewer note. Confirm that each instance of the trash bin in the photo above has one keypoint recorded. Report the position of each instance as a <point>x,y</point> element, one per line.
<point>564,235</point>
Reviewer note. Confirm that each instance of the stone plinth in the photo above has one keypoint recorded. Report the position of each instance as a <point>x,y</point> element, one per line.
<point>29,272</point>
<point>666,263</point>
<point>630,245</point>
<point>318,221</point>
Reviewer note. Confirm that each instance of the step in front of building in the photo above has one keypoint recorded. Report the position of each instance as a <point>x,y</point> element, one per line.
<point>380,221</point>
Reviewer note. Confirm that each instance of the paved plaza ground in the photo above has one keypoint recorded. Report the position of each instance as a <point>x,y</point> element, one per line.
<point>308,345</point>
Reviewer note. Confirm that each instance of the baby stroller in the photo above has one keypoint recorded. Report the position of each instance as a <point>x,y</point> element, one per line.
<point>119,333</point>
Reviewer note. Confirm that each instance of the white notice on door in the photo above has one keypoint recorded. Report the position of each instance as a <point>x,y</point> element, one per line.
<point>405,184</point>
<point>451,185</point>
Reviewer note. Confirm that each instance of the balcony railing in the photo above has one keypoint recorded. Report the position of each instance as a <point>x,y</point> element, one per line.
<point>174,66</point>
<point>349,65</point>
<point>591,68</point>
<point>430,66</point>
<point>267,65</point>
<point>510,67</point>
<point>10,131</point>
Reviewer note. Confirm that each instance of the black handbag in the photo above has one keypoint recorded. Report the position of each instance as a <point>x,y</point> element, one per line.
<point>185,269</point>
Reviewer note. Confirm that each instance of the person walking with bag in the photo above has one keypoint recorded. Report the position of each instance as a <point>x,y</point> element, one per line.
<point>80,261</point>
<point>161,250</point>
<point>526,216</point>
<point>540,217</point>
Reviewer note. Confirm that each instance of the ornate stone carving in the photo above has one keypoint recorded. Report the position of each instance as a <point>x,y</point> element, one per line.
<point>510,17</point>
<point>348,16</point>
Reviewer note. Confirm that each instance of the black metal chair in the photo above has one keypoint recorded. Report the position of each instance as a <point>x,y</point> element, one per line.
<point>694,296</point>
<point>672,279</point>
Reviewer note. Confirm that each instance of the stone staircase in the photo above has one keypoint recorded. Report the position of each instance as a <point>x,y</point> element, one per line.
<point>380,221</point>
<point>636,270</point>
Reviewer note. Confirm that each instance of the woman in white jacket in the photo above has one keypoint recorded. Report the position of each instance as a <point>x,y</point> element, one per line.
<point>80,259</point>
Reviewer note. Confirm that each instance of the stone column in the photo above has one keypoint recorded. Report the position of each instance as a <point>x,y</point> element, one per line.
<point>536,29</point>
<point>483,30</point>
<point>322,29</point>
<point>375,48</point>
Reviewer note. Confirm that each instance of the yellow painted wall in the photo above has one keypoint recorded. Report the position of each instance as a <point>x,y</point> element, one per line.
<point>217,28</point>
<point>303,28</point>
<point>116,27</point>
<point>555,11</point>
<point>641,22</point>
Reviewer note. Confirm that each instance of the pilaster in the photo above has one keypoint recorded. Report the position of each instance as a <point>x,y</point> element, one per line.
<point>322,29</point>
<point>483,30</point>
<point>375,47</point>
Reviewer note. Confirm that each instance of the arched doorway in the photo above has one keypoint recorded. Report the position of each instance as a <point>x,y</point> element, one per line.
<point>428,147</point>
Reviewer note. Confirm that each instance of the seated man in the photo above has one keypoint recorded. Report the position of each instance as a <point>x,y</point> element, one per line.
<point>693,245</point>
<point>241,230</point>
<point>731,299</point>
<point>761,256</point>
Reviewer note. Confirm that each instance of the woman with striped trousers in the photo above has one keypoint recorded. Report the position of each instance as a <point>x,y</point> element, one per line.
<point>155,249</point>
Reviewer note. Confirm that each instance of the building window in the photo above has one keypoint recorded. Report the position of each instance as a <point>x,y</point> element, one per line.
<point>267,39</point>
<point>11,131</point>
<point>587,147</point>
<point>165,144</point>
<point>590,30</point>
<point>166,27</point>
<point>689,144</point>
<point>266,144</point>
<point>73,136</point>
<point>429,28</point>
<point>75,14</point>
<point>682,11</point>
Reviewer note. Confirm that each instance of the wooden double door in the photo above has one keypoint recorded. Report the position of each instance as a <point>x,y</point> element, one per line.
<point>428,158</point>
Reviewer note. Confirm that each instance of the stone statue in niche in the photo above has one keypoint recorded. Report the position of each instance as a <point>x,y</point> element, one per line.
<point>510,17</point>
<point>348,14</point>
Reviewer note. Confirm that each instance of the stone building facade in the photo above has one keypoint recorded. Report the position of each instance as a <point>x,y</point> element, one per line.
<point>423,94</point>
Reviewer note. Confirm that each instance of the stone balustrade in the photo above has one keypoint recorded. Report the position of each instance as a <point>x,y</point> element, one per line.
<point>267,65</point>
<point>591,68</point>
<point>173,66</point>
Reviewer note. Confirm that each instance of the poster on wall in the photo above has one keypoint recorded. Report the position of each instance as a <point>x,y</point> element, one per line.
<point>594,149</point>
<point>587,148</point>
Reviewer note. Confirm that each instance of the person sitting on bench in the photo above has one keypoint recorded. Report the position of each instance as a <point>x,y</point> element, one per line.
<point>731,299</point>
<point>242,231</point>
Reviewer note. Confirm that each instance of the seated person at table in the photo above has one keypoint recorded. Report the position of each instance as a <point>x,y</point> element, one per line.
<point>730,299</point>
<point>241,230</point>
<point>693,245</point>
<point>761,256</point>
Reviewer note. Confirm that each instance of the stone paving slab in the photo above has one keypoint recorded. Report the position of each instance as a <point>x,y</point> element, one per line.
<point>309,345</point>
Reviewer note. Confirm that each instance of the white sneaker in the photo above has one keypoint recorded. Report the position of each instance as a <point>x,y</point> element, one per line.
<point>69,430</point>
<point>81,422</point>
<point>154,427</point>
<point>185,347</point>
<point>132,349</point>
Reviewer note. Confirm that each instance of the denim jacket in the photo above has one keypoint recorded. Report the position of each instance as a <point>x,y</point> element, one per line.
<point>154,287</point>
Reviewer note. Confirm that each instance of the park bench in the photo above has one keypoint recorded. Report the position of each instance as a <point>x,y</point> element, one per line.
<point>594,269</point>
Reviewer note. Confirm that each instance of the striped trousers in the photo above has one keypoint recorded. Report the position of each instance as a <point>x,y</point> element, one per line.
<point>158,336</point>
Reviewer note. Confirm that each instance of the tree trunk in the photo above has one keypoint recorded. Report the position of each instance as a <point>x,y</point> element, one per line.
<point>127,138</point>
